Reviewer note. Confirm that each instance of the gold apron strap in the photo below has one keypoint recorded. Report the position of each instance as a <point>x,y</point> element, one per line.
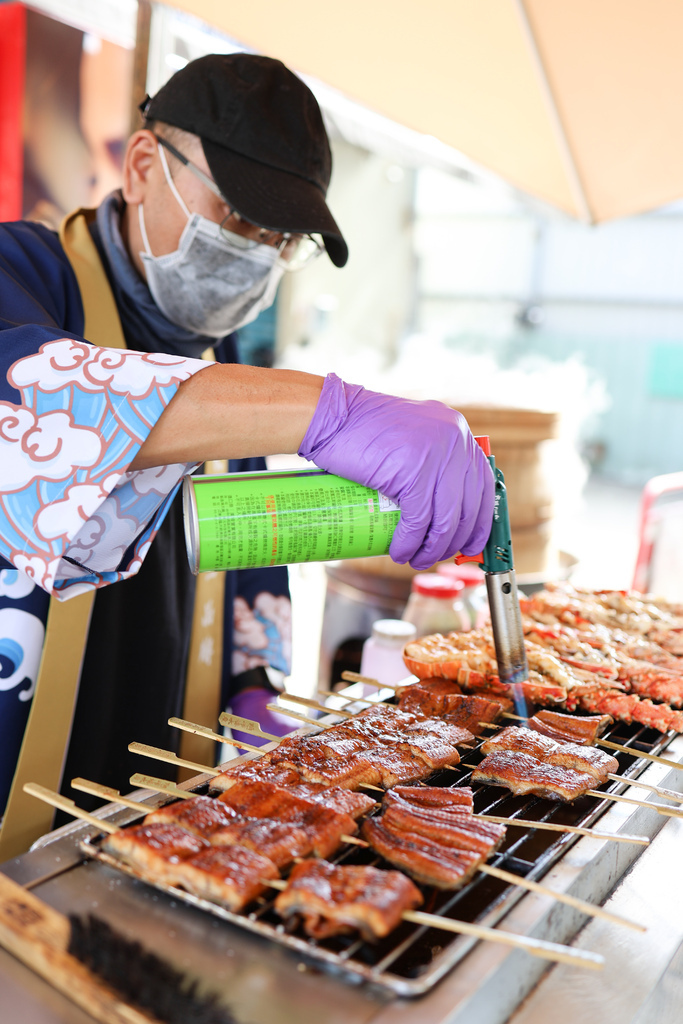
<point>102,323</point>
<point>49,724</point>
<point>205,661</point>
<point>44,746</point>
<point>203,680</point>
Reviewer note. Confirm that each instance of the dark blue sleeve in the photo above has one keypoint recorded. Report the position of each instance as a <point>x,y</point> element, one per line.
<point>39,296</point>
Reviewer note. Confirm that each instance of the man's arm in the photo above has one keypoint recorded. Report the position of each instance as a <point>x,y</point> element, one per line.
<point>229,411</point>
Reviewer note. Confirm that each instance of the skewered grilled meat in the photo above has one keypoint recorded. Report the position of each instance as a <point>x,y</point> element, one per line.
<point>200,814</point>
<point>457,799</point>
<point>566,755</point>
<point>260,770</point>
<point>464,710</point>
<point>231,876</point>
<point>461,831</point>
<point>337,899</point>
<point>323,826</point>
<point>436,686</point>
<point>524,774</point>
<point>279,841</point>
<point>165,852</point>
<point>609,662</point>
<point>582,729</point>
<point>427,861</point>
<point>584,649</point>
<point>616,609</point>
<point>343,800</point>
<point>156,849</point>
<point>386,724</point>
<point>312,766</point>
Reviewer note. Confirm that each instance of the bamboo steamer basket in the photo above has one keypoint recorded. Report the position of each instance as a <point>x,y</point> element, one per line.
<point>518,437</point>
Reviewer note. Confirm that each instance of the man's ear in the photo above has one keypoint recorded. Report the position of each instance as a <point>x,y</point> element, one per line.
<point>138,161</point>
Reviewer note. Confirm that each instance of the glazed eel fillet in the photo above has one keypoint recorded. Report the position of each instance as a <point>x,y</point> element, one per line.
<point>339,899</point>
<point>461,831</point>
<point>464,710</point>
<point>564,755</point>
<point>433,835</point>
<point>167,853</point>
<point>346,801</point>
<point>323,826</point>
<point>523,774</point>
<point>279,841</point>
<point>582,729</point>
<point>279,824</point>
<point>426,860</point>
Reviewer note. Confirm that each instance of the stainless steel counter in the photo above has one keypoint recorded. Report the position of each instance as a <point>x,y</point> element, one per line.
<point>267,985</point>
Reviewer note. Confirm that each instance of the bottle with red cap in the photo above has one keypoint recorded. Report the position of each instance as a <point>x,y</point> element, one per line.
<point>473,596</point>
<point>435,604</point>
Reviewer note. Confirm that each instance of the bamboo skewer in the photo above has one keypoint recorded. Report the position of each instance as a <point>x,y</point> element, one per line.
<point>209,734</point>
<point>344,696</point>
<point>537,947</point>
<point>355,677</point>
<point>107,793</point>
<point>669,812</point>
<point>160,786</point>
<point>64,804</point>
<point>316,705</point>
<point>666,794</point>
<point>301,718</point>
<point>167,755</point>
<point>640,753</point>
<point>554,827</point>
<point>590,909</point>
<point>246,725</point>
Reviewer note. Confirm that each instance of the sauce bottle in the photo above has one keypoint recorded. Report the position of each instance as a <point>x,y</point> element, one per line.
<point>435,604</point>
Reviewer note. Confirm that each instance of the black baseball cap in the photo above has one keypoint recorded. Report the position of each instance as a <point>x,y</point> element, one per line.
<point>263,138</point>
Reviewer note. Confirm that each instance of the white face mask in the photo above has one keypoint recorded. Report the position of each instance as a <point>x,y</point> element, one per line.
<point>211,284</point>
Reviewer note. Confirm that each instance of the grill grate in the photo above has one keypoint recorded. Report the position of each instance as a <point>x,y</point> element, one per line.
<point>413,958</point>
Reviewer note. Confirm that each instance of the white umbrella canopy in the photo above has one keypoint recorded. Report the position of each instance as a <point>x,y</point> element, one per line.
<point>577,102</point>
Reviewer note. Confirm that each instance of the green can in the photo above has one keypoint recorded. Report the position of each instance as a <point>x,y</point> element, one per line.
<point>250,520</point>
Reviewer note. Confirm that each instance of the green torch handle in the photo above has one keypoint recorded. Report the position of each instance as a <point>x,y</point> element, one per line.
<point>498,550</point>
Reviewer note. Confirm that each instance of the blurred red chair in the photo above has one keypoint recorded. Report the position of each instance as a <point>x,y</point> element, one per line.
<point>659,563</point>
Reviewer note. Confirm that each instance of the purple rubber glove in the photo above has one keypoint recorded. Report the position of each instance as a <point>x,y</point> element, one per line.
<point>420,454</point>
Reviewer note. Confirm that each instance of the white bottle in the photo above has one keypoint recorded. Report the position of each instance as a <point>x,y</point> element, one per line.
<point>382,657</point>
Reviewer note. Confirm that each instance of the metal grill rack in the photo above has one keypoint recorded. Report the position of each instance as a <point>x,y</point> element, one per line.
<point>412,959</point>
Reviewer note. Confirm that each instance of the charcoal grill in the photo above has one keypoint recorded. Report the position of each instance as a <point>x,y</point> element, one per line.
<point>412,959</point>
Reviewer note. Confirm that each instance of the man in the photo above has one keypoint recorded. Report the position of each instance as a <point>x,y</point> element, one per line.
<point>223,191</point>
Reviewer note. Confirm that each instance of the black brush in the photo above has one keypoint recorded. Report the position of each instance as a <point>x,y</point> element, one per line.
<point>141,978</point>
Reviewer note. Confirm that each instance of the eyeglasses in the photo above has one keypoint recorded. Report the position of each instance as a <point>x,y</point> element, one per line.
<point>294,251</point>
